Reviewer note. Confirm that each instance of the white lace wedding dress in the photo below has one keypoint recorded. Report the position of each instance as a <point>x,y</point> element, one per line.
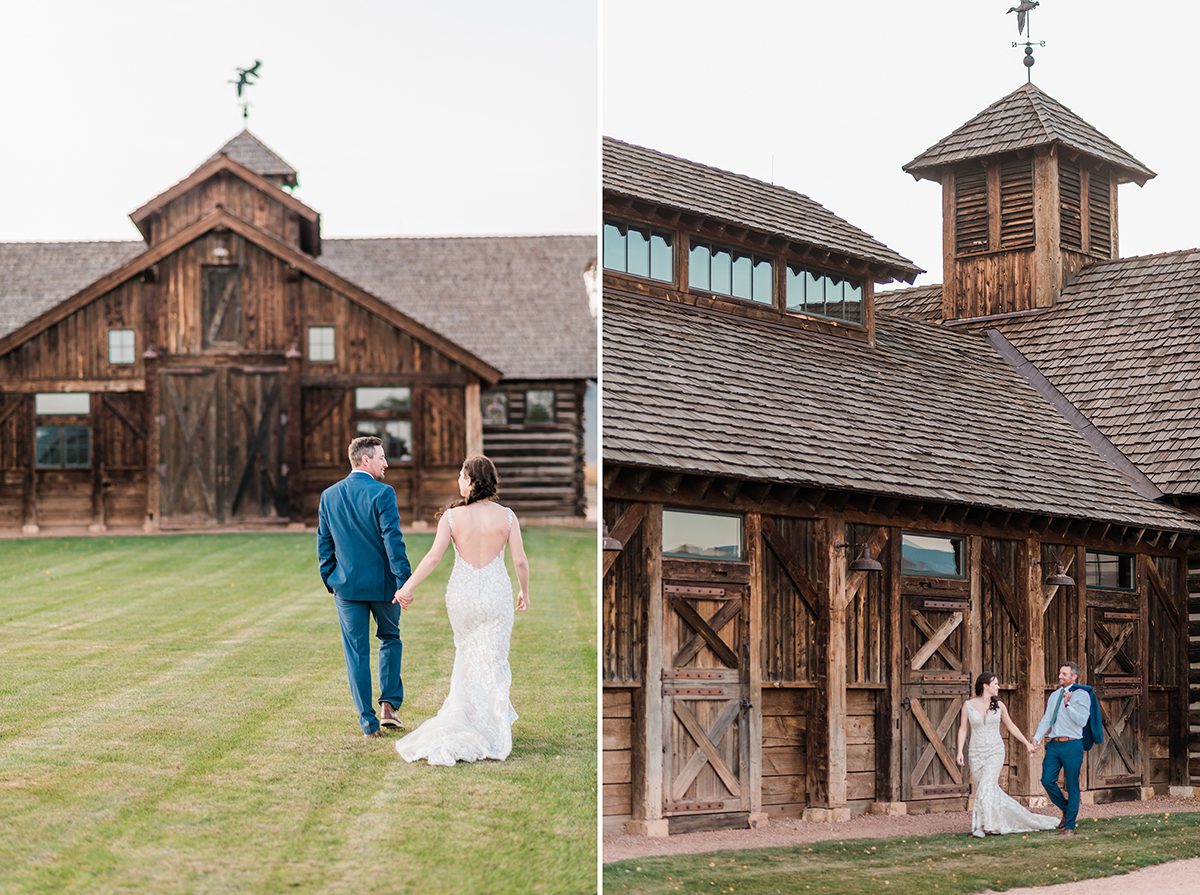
<point>995,811</point>
<point>475,721</point>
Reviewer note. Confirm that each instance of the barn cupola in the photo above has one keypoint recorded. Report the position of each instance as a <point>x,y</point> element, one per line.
<point>244,179</point>
<point>1029,196</point>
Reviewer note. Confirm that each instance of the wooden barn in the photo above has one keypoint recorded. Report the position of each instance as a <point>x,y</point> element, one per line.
<point>831,517</point>
<point>214,373</point>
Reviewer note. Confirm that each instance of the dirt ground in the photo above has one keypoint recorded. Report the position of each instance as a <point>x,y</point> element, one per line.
<point>1173,878</point>
<point>797,832</point>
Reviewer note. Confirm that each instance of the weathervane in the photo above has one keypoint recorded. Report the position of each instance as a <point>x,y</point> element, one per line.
<point>1024,11</point>
<point>246,78</point>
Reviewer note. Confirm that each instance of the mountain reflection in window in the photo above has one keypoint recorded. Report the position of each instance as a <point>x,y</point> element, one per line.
<point>1111,570</point>
<point>932,555</point>
<point>702,536</point>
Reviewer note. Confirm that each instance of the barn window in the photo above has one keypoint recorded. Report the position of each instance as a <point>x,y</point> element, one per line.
<point>68,443</point>
<point>396,436</point>
<point>383,398</point>
<point>640,251</point>
<point>703,535</point>
<point>1110,570</point>
<point>321,344</point>
<point>495,408</point>
<point>539,406</point>
<point>222,306</point>
<point>120,346</point>
<point>934,556</point>
<point>829,296</point>
<point>730,272</point>
<point>971,223</point>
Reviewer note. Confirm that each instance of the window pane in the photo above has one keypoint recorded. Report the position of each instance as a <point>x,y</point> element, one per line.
<point>814,293</point>
<point>383,398</point>
<point>396,436</point>
<point>614,247</point>
<point>931,555</point>
<point>77,446</point>
<point>63,404</point>
<point>120,346</point>
<point>722,272</point>
<point>742,271</point>
<point>763,283</point>
<point>321,343</point>
<point>1110,570</point>
<point>853,296</point>
<point>539,406</point>
<point>698,267</point>
<point>795,289</point>
<point>495,408</point>
<point>703,535</point>
<point>662,266</point>
<point>834,305</point>
<point>638,252</point>
<point>48,446</point>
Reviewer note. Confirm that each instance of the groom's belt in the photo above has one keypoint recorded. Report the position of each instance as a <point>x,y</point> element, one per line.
<point>1060,739</point>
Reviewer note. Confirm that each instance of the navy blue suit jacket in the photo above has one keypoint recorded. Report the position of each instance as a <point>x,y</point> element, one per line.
<point>359,544</point>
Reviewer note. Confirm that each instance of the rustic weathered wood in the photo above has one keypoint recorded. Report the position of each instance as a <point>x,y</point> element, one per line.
<point>648,744</point>
<point>833,620</point>
<point>752,694</point>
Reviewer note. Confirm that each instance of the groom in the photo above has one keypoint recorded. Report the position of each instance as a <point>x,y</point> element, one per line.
<point>1068,712</point>
<point>362,561</point>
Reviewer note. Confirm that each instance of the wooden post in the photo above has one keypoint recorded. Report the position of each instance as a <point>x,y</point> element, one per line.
<point>1047,253</point>
<point>827,792</point>
<point>151,296</point>
<point>474,418</point>
<point>753,692</point>
<point>293,396</point>
<point>896,683</point>
<point>1142,576</point>
<point>1180,782</point>
<point>419,430</point>
<point>96,409</point>
<point>647,808</point>
<point>1033,658</point>
<point>28,453</point>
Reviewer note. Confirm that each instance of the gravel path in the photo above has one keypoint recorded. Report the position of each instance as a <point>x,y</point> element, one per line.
<point>796,832</point>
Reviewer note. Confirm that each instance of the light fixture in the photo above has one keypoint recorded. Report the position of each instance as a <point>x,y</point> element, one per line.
<point>611,543</point>
<point>1059,576</point>
<point>864,562</point>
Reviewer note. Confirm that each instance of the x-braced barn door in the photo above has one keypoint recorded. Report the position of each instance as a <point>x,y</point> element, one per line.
<point>705,683</point>
<point>1115,672</point>
<point>936,679</point>
<point>221,438</point>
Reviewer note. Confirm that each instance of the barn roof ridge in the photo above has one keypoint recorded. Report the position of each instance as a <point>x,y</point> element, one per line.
<point>1023,119</point>
<point>248,149</point>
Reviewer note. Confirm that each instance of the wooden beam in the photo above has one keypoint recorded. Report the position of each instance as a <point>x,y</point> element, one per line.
<point>783,553</point>
<point>1032,653</point>
<point>647,745</point>
<point>752,687</point>
<point>624,529</point>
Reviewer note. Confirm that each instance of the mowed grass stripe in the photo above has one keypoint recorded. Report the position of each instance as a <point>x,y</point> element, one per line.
<point>220,752</point>
<point>954,865</point>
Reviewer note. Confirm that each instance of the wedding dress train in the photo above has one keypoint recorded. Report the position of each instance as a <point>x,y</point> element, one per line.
<point>995,811</point>
<point>475,721</point>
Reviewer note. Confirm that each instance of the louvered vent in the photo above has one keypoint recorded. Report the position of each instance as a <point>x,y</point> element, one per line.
<point>1016,204</point>
<point>1099,214</point>
<point>1070,207</point>
<point>970,211</point>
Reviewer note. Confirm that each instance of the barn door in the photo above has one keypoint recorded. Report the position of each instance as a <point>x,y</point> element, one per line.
<point>188,442</point>
<point>1115,671</point>
<point>705,684</point>
<point>253,484</point>
<point>936,679</point>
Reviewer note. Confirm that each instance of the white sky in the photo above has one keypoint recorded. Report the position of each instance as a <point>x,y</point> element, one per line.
<point>401,117</point>
<point>837,96</point>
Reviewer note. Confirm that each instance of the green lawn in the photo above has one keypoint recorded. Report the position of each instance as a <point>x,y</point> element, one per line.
<point>174,717</point>
<point>954,865</point>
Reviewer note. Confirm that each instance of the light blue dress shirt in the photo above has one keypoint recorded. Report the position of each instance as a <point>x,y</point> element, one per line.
<point>1072,717</point>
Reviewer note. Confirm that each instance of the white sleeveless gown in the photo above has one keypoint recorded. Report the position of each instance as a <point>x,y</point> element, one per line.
<point>475,721</point>
<point>995,811</point>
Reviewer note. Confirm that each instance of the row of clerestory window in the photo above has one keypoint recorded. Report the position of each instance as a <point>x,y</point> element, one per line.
<point>720,270</point>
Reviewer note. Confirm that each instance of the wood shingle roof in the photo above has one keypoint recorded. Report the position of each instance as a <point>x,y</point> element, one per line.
<point>926,413</point>
<point>246,149</point>
<point>1026,118</point>
<point>677,183</point>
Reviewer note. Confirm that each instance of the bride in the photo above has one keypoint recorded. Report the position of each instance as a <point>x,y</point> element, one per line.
<point>476,719</point>
<point>995,811</point>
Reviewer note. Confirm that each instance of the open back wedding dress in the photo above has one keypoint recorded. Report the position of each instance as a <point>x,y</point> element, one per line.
<point>995,811</point>
<point>476,719</point>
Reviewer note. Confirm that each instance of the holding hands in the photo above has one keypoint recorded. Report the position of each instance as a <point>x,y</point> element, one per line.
<point>404,596</point>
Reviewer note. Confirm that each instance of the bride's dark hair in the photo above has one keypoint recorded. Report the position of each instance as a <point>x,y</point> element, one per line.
<point>485,482</point>
<point>982,681</point>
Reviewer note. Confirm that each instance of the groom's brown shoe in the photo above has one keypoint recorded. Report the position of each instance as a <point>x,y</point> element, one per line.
<point>1066,832</point>
<point>387,717</point>
<point>1062,823</point>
